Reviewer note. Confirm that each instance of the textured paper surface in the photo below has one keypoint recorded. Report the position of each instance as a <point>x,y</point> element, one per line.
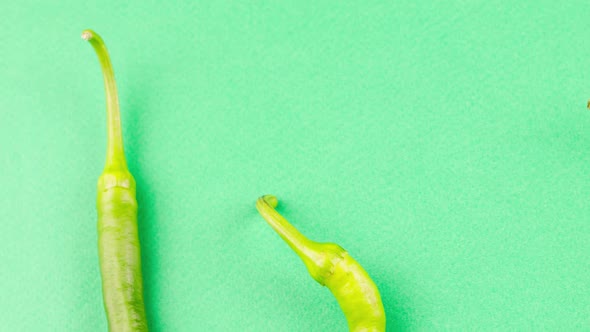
<point>445,146</point>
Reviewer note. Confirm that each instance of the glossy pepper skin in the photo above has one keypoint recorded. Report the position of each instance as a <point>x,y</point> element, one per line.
<point>333,267</point>
<point>118,240</point>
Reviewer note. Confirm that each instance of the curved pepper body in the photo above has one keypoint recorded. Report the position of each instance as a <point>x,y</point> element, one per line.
<point>331,266</point>
<point>357,296</point>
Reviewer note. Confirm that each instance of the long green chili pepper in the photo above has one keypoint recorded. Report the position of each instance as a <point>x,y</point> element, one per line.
<point>118,240</point>
<point>331,266</point>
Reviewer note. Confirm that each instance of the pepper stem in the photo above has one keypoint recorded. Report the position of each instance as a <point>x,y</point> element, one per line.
<point>297,241</point>
<point>115,153</point>
<point>319,258</point>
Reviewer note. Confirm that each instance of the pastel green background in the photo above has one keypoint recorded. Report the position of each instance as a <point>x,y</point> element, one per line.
<point>446,146</point>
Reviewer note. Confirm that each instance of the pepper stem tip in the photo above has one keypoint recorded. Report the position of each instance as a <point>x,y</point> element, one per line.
<point>271,200</point>
<point>87,35</point>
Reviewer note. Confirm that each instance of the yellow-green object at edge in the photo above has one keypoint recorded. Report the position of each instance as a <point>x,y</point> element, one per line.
<point>331,266</point>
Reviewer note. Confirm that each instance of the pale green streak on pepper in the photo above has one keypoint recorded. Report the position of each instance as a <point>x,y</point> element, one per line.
<point>118,240</point>
<point>331,266</point>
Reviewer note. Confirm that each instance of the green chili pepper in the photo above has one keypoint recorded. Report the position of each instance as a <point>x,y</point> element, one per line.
<point>118,240</point>
<point>332,266</point>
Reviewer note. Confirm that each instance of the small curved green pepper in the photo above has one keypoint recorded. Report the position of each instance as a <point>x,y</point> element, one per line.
<point>331,266</point>
<point>118,239</point>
